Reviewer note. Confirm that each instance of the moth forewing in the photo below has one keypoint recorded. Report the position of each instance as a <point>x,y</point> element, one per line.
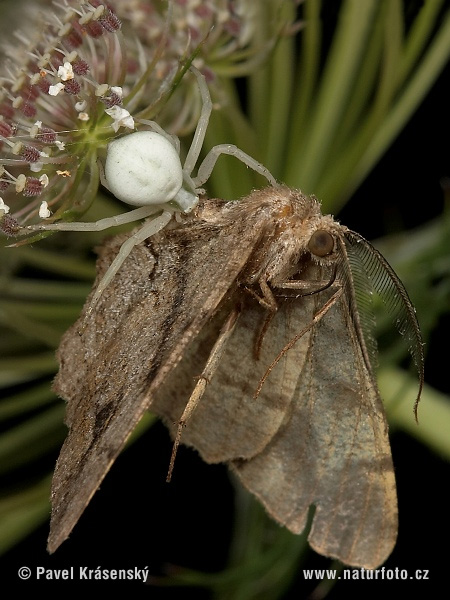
<point>146,318</point>
<point>129,343</point>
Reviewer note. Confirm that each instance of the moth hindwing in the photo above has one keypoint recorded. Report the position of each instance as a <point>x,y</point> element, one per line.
<point>253,309</point>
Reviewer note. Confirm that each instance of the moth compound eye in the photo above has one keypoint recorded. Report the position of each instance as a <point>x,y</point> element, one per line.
<point>321,243</point>
<point>143,168</point>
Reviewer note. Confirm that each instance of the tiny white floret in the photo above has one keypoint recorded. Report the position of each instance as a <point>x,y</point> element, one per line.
<point>121,116</point>
<point>117,90</point>
<point>65,72</point>
<point>44,180</point>
<point>4,208</point>
<point>34,129</point>
<point>21,181</point>
<point>143,168</point>
<point>54,90</point>
<point>80,106</point>
<point>38,166</point>
<point>44,212</point>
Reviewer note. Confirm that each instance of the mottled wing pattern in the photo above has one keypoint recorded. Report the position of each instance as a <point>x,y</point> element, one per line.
<point>228,421</point>
<point>315,435</point>
<point>333,452</point>
<point>158,303</point>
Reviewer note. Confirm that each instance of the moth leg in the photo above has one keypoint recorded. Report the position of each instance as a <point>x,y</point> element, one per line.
<point>122,219</point>
<point>203,380</point>
<point>148,229</point>
<point>309,287</point>
<point>317,317</point>
<point>267,301</point>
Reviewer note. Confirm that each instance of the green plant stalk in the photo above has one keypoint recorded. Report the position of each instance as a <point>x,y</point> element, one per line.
<point>350,170</point>
<point>35,396</point>
<point>306,81</point>
<point>60,264</point>
<point>230,179</point>
<point>54,312</point>
<point>32,438</point>
<point>23,512</point>
<point>364,86</point>
<point>399,389</point>
<point>336,83</point>
<point>418,37</point>
<point>19,321</point>
<point>38,289</point>
<point>275,80</point>
<point>387,39</point>
<point>23,368</point>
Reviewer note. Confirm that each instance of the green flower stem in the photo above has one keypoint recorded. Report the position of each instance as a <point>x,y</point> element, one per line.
<point>19,321</point>
<point>24,368</point>
<point>363,90</point>
<point>61,264</point>
<point>38,289</point>
<point>35,396</point>
<point>32,438</point>
<point>359,156</point>
<point>262,568</point>
<point>419,37</point>
<point>258,82</point>
<point>384,51</point>
<point>340,72</point>
<point>426,73</point>
<point>275,81</point>
<point>263,561</point>
<point>230,179</point>
<point>399,390</point>
<point>145,423</point>
<point>50,311</point>
<point>306,81</point>
<point>22,512</point>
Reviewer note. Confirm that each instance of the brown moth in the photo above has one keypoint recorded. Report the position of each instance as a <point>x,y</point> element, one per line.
<point>246,327</point>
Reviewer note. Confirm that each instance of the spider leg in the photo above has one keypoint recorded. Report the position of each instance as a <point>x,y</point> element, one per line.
<point>128,217</point>
<point>200,130</point>
<point>148,229</point>
<point>208,164</point>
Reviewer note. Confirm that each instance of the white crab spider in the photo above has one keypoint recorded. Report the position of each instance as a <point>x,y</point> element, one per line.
<point>144,169</point>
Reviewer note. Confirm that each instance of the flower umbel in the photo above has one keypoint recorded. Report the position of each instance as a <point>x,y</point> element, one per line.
<point>96,71</point>
<point>53,97</point>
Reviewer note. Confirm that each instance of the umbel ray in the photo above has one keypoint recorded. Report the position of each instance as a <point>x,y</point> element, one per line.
<point>247,326</point>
